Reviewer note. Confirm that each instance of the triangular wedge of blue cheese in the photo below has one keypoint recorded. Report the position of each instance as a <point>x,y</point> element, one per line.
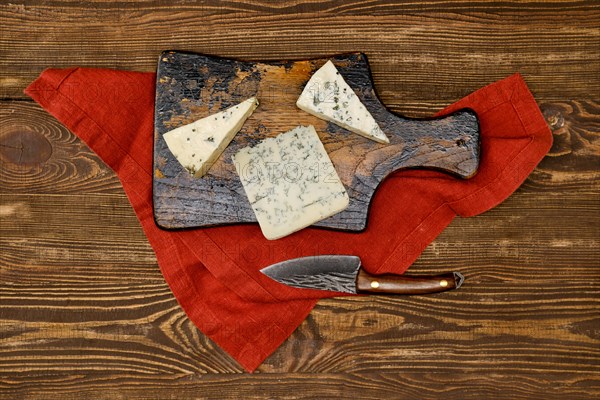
<point>198,145</point>
<point>329,97</point>
<point>290,182</point>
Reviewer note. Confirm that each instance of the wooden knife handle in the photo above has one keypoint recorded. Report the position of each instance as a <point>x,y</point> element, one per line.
<point>403,284</point>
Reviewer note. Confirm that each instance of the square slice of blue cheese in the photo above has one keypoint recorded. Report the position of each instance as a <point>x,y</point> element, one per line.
<point>290,182</point>
<point>329,97</point>
<point>198,145</point>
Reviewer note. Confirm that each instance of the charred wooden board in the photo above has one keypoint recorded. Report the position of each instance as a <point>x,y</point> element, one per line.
<point>191,86</point>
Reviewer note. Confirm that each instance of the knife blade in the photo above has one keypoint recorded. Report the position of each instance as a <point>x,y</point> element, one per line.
<point>343,273</point>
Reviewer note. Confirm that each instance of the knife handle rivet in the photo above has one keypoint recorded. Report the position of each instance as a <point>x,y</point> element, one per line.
<point>443,283</point>
<point>374,284</point>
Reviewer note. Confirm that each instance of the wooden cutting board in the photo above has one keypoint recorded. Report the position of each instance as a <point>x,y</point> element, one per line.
<point>191,86</point>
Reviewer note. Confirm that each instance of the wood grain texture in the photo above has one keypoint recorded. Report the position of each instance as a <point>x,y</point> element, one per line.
<point>436,52</point>
<point>371,386</point>
<point>191,86</point>
<point>89,313</point>
<point>85,312</point>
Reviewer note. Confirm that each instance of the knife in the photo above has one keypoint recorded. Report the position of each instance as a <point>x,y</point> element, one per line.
<point>343,273</point>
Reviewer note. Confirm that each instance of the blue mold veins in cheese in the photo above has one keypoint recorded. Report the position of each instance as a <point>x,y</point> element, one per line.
<point>290,182</point>
<point>197,145</point>
<point>329,97</point>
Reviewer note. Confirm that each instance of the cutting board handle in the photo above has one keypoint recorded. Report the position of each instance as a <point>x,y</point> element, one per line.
<point>190,85</point>
<point>449,143</point>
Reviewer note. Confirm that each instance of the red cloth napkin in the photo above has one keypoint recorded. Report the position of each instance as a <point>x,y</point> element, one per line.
<point>214,273</point>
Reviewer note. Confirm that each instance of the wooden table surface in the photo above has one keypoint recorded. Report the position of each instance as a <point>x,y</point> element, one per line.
<point>86,314</point>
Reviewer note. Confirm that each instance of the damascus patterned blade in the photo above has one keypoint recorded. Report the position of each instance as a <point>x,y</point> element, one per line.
<point>336,273</point>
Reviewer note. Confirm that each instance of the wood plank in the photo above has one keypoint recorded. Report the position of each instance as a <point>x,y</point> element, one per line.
<point>439,52</point>
<point>144,332</point>
<point>373,385</point>
<point>512,315</point>
<point>107,281</point>
<point>47,231</point>
<point>69,167</point>
<point>87,314</point>
<point>72,167</point>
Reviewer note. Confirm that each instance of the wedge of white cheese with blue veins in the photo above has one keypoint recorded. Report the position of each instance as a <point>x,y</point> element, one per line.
<point>198,145</point>
<point>329,97</point>
<point>290,182</point>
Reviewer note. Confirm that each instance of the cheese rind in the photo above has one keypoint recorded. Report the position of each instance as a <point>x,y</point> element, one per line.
<point>197,145</point>
<point>290,182</point>
<point>329,97</point>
